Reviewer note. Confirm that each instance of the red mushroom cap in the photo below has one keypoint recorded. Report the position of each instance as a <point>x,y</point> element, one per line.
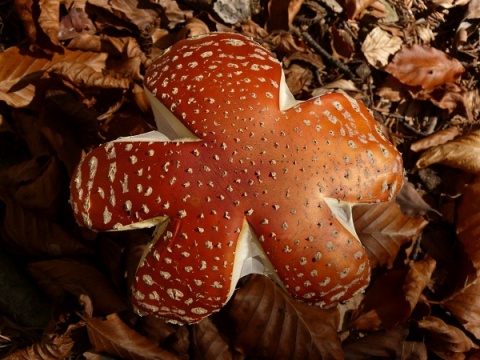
<point>288,174</point>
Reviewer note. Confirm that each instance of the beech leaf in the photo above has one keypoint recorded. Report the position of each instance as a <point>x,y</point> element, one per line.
<point>269,324</point>
<point>461,153</point>
<point>383,230</point>
<point>78,278</point>
<point>468,222</point>
<point>29,233</point>
<point>465,306</point>
<point>392,297</point>
<point>425,66</point>
<point>447,341</point>
<point>113,336</point>
<point>437,138</point>
<point>20,71</point>
<point>379,45</point>
<point>49,19</point>
<point>209,343</point>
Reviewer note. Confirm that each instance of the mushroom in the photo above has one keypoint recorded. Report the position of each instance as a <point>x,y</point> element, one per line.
<point>242,179</point>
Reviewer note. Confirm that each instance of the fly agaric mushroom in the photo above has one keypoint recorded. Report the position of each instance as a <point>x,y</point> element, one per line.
<point>244,179</point>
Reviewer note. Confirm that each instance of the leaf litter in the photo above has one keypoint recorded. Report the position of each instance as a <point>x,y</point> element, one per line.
<point>71,78</point>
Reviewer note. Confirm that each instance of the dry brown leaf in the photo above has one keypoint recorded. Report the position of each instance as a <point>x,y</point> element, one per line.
<point>379,45</point>
<point>141,14</point>
<point>113,336</point>
<point>269,324</point>
<point>392,297</point>
<point>468,221</point>
<point>282,13</point>
<point>411,203</point>
<point>154,328</point>
<point>465,306</point>
<point>78,278</point>
<point>437,138</point>
<point>378,345</point>
<point>252,29</point>
<point>383,230</point>
<point>193,27</point>
<point>23,8</point>
<point>20,72</point>
<point>461,153</point>
<point>30,233</point>
<point>174,13</point>
<point>342,43</point>
<point>53,346</point>
<point>447,341</point>
<point>82,75</point>
<point>209,343</point>
<point>424,66</point>
<point>36,183</point>
<point>49,19</point>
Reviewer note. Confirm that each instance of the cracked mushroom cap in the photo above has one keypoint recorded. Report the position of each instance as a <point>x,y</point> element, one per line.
<point>248,175</point>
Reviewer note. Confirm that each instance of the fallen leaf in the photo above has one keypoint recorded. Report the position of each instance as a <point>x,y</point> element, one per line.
<point>447,341</point>
<point>282,13</point>
<point>268,324</point>
<point>424,66</point>
<point>462,153</point>
<point>143,16</point>
<point>379,45</point>
<point>82,75</point>
<point>384,230</point>
<point>53,346</point>
<point>20,72</point>
<point>113,336</point>
<point>411,203</point>
<point>437,138</point>
<point>464,305</point>
<point>382,344</point>
<point>29,233</point>
<point>49,19</point>
<point>392,297</point>
<point>209,343</point>
<point>78,278</point>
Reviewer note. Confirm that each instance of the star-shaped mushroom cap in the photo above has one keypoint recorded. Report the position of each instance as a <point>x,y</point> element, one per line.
<point>287,175</point>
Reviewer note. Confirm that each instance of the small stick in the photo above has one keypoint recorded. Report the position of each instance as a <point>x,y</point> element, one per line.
<point>329,58</point>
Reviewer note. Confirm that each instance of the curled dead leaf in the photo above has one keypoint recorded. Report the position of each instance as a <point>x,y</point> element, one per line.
<point>464,305</point>
<point>49,19</point>
<point>113,336</point>
<point>424,66</point>
<point>461,153</point>
<point>447,341</point>
<point>437,138</point>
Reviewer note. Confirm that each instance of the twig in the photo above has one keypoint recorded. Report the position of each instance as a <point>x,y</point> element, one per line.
<point>328,58</point>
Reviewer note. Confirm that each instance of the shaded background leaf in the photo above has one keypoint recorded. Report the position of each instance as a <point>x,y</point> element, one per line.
<point>269,324</point>
<point>113,336</point>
